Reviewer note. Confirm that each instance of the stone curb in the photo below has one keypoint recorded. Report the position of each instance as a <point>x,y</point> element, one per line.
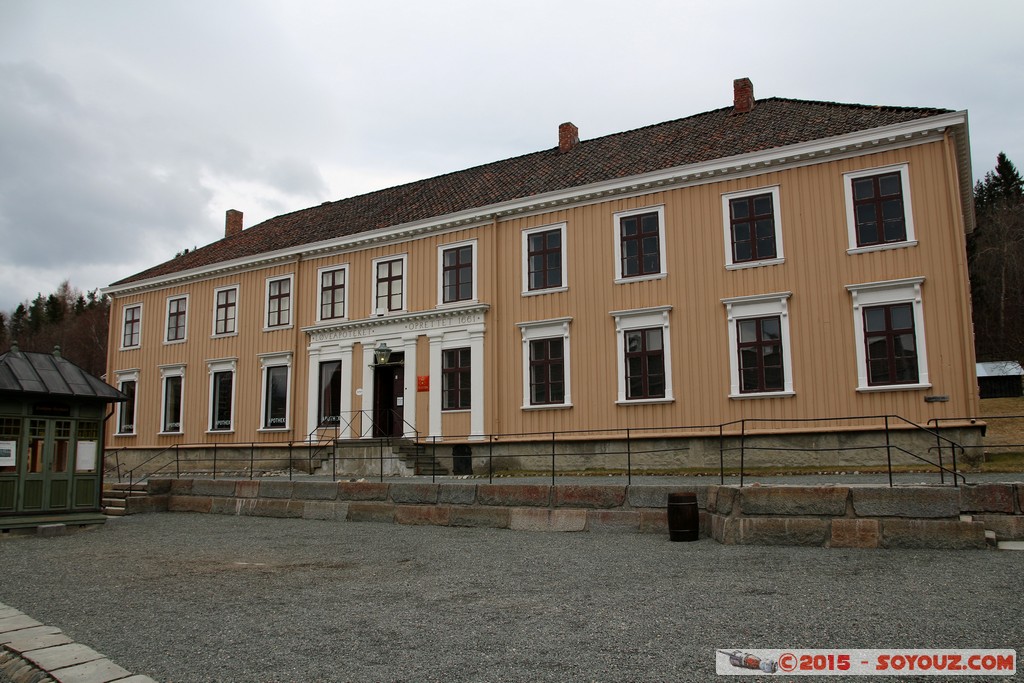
<point>33,653</point>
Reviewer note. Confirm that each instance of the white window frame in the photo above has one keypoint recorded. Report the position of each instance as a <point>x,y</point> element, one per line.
<point>167,315</point>
<point>404,258</point>
<point>636,319</point>
<point>536,331</point>
<point>527,233</point>
<point>166,372</point>
<point>759,306</point>
<point>238,309</point>
<point>727,197</point>
<point>907,290</point>
<point>617,234</point>
<point>124,320</point>
<point>320,292</point>
<point>273,360</point>
<point>267,327</point>
<point>441,249</point>
<point>908,213</point>
<point>122,377</point>
<point>214,367</point>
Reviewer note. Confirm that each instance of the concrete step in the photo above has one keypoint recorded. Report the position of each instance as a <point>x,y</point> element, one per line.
<point>115,512</point>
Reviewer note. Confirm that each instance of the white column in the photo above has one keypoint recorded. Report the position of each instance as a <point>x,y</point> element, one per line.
<point>346,392</point>
<point>476,382</point>
<point>313,385</point>
<point>434,396</point>
<point>409,391</point>
<point>367,416</point>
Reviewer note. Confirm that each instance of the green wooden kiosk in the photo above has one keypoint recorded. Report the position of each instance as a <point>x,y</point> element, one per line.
<point>52,416</point>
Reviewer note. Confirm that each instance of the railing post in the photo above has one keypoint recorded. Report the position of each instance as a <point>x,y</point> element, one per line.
<point>177,462</point>
<point>380,444</point>
<point>290,464</point>
<point>721,455</point>
<point>938,444</point>
<point>552,458</point>
<point>629,459</point>
<point>252,461</point>
<point>334,457</point>
<point>215,460</point>
<point>888,450</point>
<point>490,458</point>
<point>743,446</point>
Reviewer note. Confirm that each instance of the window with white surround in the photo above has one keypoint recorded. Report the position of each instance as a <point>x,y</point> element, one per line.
<point>172,378</point>
<point>644,355</point>
<point>389,277</point>
<point>456,264</point>
<point>332,293</point>
<point>878,209</point>
<point>329,394</point>
<point>752,228</point>
<point>276,371</point>
<point>546,366</point>
<point>222,394</point>
<point>888,321</point>
<point>639,244</point>
<point>177,319</point>
<point>131,326</point>
<point>544,260</point>
<point>456,379</point>
<point>127,384</point>
<point>225,311</point>
<point>760,357</point>
<point>279,303</point>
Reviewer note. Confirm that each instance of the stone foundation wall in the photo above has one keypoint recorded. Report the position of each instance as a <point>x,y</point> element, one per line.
<point>831,516</point>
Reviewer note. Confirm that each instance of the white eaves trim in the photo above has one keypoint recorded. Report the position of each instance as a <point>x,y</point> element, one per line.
<point>814,151</point>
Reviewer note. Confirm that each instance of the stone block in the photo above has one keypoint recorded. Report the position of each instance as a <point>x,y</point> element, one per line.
<point>1006,527</point>
<point>932,533</point>
<point>181,487</point>
<point>987,498</point>
<point>62,656</point>
<point>17,623</point>
<point>533,519</point>
<point>277,507</point>
<point>614,521</point>
<point>909,501</point>
<point>27,632</point>
<point>365,511</point>
<point>315,490</point>
<point>276,489</point>
<point>722,529</point>
<point>189,503</point>
<point>704,524</point>
<point>805,531</point>
<point>362,490</point>
<point>596,497</point>
<point>142,505</point>
<point>96,671</point>
<point>417,494</point>
<point>721,499</point>
<point>1020,498</point>
<point>28,643</point>
<point>515,495</point>
<point>224,506</point>
<point>654,521</point>
<point>213,487</point>
<point>247,488</point>
<point>855,533</point>
<point>155,487</point>
<point>657,496</point>
<point>328,510</point>
<point>457,494</point>
<point>490,517</point>
<point>433,515</point>
<point>793,501</point>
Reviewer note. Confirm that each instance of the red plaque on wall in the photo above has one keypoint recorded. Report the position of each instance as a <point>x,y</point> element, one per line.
<point>423,383</point>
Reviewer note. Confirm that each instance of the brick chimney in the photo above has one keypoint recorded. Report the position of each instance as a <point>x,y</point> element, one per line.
<point>232,222</point>
<point>568,137</point>
<point>742,95</point>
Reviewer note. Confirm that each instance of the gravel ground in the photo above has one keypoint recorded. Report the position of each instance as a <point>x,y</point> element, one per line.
<point>191,598</point>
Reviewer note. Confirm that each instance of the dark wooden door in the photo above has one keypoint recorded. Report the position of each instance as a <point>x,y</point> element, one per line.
<point>389,398</point>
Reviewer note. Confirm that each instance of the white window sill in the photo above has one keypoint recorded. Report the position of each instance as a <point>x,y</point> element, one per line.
<point>743,265</point>
<point>455,411</point>
<point>225,334</point>
<point>882,247</point>
<point>169,433</point>
<point>644,401</point>
<point>125,434</point>
<point>172,342</point>
<point>894,387</point>
<point>131,348</point>
<point>549,290</point>
<point>332,321</point>
<point>640,278</point>
<point>456,304</point>
<point>220,431</point>
<point>548,406</point>
<point>276,328</point>
<point>767,394</point>
<point>273,429</point>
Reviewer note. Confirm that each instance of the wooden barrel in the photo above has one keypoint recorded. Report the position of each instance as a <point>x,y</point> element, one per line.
<point>683,518</point>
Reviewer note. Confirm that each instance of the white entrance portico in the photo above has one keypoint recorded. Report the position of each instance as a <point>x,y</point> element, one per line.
<point>332,342</point>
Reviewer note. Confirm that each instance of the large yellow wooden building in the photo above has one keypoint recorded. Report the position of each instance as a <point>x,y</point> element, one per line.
<point>778,259</point>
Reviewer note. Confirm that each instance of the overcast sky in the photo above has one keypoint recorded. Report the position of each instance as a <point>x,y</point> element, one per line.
<point>128,128</point>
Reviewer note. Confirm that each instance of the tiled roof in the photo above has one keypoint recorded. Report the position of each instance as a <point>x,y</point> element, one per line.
<point>773,122</point>
<point>43,374</point>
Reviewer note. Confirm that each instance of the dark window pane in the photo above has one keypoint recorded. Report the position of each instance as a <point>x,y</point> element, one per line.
<point>863,189</point>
